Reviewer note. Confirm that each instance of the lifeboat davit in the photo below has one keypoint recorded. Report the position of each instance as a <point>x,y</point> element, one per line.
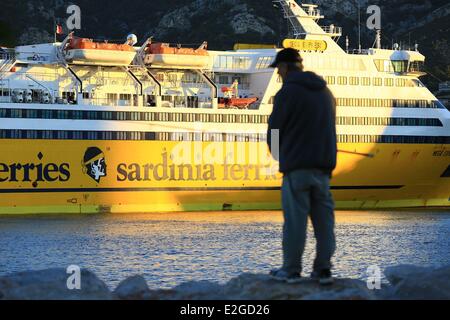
<point>162,54</point>
<point>87,51</point>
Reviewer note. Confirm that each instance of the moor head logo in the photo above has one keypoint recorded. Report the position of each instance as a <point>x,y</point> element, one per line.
<point>94,164</point>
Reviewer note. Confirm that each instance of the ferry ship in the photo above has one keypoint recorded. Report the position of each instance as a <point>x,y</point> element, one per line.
<point>90,126</point>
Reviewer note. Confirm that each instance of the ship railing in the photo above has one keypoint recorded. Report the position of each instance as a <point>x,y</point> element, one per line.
<point>99,81</point>
<point>241,86</point>
<point>178,84</point>
<point>332,30</point>
<point>314,13</point>
<point>36,75</point>
<point>358,51</point>
<point>137,102</point>
<point>108,102</point>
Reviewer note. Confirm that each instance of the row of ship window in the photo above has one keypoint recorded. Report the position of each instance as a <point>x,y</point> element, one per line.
<point>380,121</point>
<point>133,116</point>
<point>200,117</point>
<point>218,137</point>
<point>388,103</point>
<point>367,81</point>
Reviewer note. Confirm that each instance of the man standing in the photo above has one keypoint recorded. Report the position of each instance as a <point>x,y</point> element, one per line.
<point>304,112</point>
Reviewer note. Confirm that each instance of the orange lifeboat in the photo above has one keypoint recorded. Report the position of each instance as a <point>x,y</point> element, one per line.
<point>162,54</point>
<point>87,51</point>
<point>236,103</point>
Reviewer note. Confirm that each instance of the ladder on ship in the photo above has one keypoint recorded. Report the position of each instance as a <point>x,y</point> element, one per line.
<point>8,61</point>
<point>297,30</point>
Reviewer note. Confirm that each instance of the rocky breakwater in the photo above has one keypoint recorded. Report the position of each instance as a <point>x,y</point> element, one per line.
<point>405,282</point>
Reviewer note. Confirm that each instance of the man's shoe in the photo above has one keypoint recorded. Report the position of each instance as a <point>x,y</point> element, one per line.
<point>282,275</point>
<point>323,276</point>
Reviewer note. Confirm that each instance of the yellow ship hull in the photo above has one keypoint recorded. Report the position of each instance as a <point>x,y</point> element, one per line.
<point>57,176</point>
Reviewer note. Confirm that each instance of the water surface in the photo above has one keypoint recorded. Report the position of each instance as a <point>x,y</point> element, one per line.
<point>171,248</point>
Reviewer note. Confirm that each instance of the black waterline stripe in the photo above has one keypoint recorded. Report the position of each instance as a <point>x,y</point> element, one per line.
<point>182,189</point>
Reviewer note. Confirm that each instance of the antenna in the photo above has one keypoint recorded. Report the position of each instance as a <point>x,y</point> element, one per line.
<point>359,27</point>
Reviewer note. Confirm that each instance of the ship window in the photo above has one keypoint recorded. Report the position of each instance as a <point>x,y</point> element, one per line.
<point>379,65</point>
<point>330,80</point>
<point>160,76</point>
<point>124,99</point>
<point>16,134</point>
<point>111,98</point>
<point>173,77</point>
<point>77,135</point>
<point>76,114</point>
<point>92,135</point>
<point>418,83</point>
<point>32,134</point>
<point>241,63</point>
<point>416,66</point>
<point>389,82</point>
<point>377,81</point>
<point>107,135</point>
<point>263,62</point>
<point>272,100</point>
<point>384,65</point>
<point>16,113</point>
<point>400,66</point>
<point>410,83</point>
<point>92,115</point>
<point>108,115</point>
<point>62,134</point>
<point>365,81</point>
<point>342,80</point>
<point>354,81</point>
<point>47,114</point>
<point>47,134</point>
<point>187,78</point>
<point>223,79</point>
<point>62,114</point>
<point>400,82</point>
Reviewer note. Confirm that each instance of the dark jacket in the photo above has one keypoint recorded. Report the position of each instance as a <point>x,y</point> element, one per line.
<point>305,113</point>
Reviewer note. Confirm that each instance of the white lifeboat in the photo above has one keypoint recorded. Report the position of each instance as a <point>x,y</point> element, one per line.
<point>162,54</point>
<point>82,50</point>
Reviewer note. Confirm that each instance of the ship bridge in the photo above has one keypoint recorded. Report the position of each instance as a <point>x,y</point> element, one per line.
<point>401,62</point>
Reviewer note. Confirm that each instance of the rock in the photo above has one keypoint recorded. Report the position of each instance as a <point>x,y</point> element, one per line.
<point>254,287</point>
<point>410,282</point>
<point>51,284</point>
<point>133,288</point>
<point>398,273</point>
<point>193,290</point>
<point>261,287</point>
<point>346,294</point>
<point>246,22</point>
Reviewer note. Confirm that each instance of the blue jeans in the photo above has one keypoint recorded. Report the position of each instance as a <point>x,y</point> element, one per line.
<point>307,192</point>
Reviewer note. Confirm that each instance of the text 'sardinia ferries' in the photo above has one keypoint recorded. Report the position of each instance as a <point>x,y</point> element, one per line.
<point>92,126</point>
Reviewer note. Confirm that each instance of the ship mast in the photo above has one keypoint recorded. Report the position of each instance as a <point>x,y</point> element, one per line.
<point>303,22</point>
